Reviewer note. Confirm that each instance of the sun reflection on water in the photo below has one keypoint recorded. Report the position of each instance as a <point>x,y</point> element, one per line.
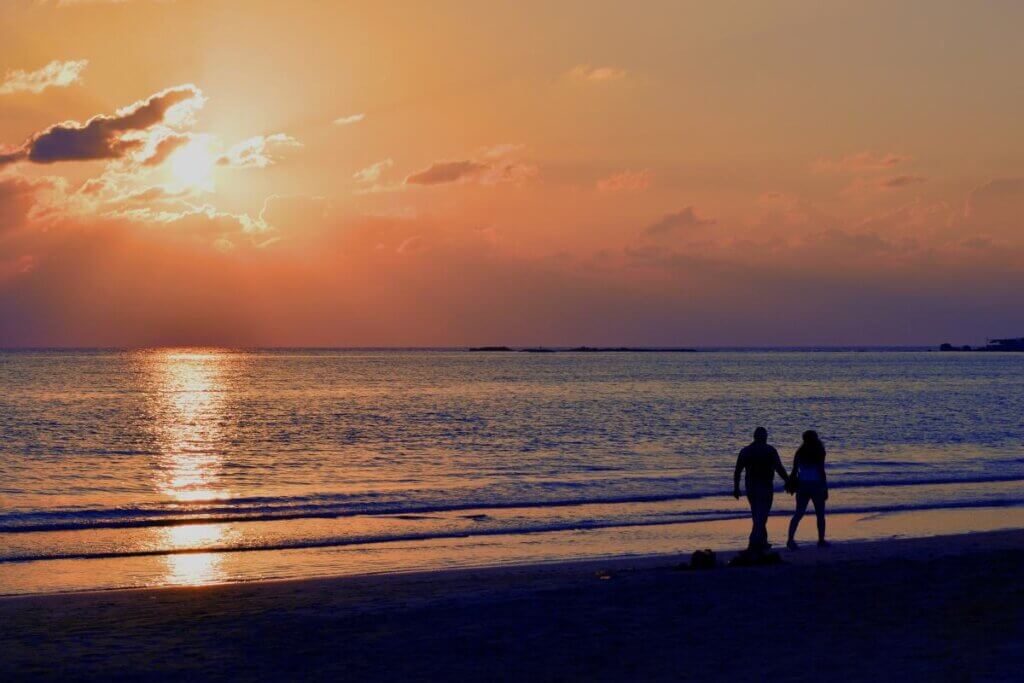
<point>194,569</point>
<point>189,390</point>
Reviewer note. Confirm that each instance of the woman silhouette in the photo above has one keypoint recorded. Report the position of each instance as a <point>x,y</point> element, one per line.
<point>808,482</point>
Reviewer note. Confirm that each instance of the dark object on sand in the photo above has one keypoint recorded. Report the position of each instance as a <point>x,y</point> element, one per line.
<point>489,348</point>
<point>703,559</point>
<point>749,558</point>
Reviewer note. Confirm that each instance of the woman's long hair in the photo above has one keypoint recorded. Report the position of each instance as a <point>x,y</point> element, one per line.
<point>812,448</point>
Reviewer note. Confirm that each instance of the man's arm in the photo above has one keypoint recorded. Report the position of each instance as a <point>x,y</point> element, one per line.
<point>780,469</point>
<point>736,476</point>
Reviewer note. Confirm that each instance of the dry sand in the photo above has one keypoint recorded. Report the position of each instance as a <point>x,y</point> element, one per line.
<point>945,608</point>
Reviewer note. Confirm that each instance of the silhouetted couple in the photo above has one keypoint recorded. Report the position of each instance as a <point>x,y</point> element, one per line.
<point>761,461</point>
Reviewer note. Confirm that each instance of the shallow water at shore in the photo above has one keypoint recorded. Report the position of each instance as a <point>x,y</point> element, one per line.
<point>157,458</point>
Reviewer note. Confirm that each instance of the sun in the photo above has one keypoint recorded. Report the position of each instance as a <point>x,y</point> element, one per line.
<point>192,165</point>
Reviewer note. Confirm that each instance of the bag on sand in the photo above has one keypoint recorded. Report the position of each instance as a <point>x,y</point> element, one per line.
<point>703,559</point>
<point>748,558</point>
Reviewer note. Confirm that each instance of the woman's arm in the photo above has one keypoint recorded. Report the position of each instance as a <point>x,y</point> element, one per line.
<point>823,479</point>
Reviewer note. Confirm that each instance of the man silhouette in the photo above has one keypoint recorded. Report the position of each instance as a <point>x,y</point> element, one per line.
<point>761,462</point>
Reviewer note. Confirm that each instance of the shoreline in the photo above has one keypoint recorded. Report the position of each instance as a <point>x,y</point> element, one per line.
<point>936,546</point>
<point>954,601</point>
<point>71,575</point>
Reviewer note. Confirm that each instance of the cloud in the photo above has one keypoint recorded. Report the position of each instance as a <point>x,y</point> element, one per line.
<point>104,136</point>
<point>867,186</point>
<point>441,172</point>
<point>257,152</point>
<point>163,147</point>
<point>348,120</point>
<point>682,219</point>
<point>626,181</point>
<point>493,166</point>
<point>9,156</point>
<point>998,205</point>
<point>507,172</point>
<point>18,196</point>
<point>71,3</point>
<point>585,73</point>
<point>373,172</point>
<point>56,74</point>
<point>1002,191</point>
<point>901,181</point>
<point>860,162</point>
<point>409,245</point>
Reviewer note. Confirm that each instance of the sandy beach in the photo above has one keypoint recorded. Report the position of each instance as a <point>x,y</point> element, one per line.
<point>941,608</point>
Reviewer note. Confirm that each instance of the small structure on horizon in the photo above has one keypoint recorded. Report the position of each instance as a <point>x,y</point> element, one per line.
<point>1012,344</point>
<point>1005,345</point>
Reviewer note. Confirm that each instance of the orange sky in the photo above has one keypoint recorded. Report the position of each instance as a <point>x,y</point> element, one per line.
<point>457,173</point>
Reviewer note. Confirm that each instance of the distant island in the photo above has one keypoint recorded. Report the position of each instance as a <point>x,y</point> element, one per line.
<point>1016,344</point>
<point>583,349</point>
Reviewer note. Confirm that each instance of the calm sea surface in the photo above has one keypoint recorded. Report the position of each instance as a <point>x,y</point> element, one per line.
<point>157,454</point>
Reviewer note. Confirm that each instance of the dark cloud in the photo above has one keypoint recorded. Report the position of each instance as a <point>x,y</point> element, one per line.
<point>441,172</point>
<point>685,218</point>
<point>10,157</point>
<point>901,181</point>
<point>102,136</point>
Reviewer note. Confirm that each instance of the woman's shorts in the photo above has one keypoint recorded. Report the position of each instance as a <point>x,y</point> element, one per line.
<point>812,490</point>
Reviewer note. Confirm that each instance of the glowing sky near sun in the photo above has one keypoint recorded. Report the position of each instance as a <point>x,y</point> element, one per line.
<point>457,173</point>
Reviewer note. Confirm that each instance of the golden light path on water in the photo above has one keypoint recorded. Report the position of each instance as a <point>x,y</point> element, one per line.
<point>189,389</point>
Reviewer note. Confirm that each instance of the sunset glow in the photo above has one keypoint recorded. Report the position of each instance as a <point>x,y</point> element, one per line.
<point>432,174</point>
<point>193,165</point>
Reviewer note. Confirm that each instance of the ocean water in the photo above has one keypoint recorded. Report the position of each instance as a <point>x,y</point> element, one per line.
<point>162,456</point>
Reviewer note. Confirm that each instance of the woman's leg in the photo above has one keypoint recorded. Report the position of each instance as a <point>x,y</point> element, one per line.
<point>801,508</point>
<point>819,511</point>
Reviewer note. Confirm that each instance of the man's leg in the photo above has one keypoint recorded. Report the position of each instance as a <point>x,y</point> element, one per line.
<point>760,507</point>
<point>753,541</point>
<point>766,509</point>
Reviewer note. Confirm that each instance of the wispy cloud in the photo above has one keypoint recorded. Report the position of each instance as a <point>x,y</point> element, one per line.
<point>71,3</point>
<point>56,74</point>
<point>626,181</point>
<point>348,120</point>
<point>873,185</point>
<point>441,172</point>
<point>678,220</point>
<point>861,162</point>
<point>257,152</point>
<point>160,148</point>
<point>897,182</point>
<point>491,166</point>
<point>373,172</point>
<point>586,73</point>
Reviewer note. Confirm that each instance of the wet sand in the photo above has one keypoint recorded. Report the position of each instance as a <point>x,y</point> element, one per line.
<point>943,608</point>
